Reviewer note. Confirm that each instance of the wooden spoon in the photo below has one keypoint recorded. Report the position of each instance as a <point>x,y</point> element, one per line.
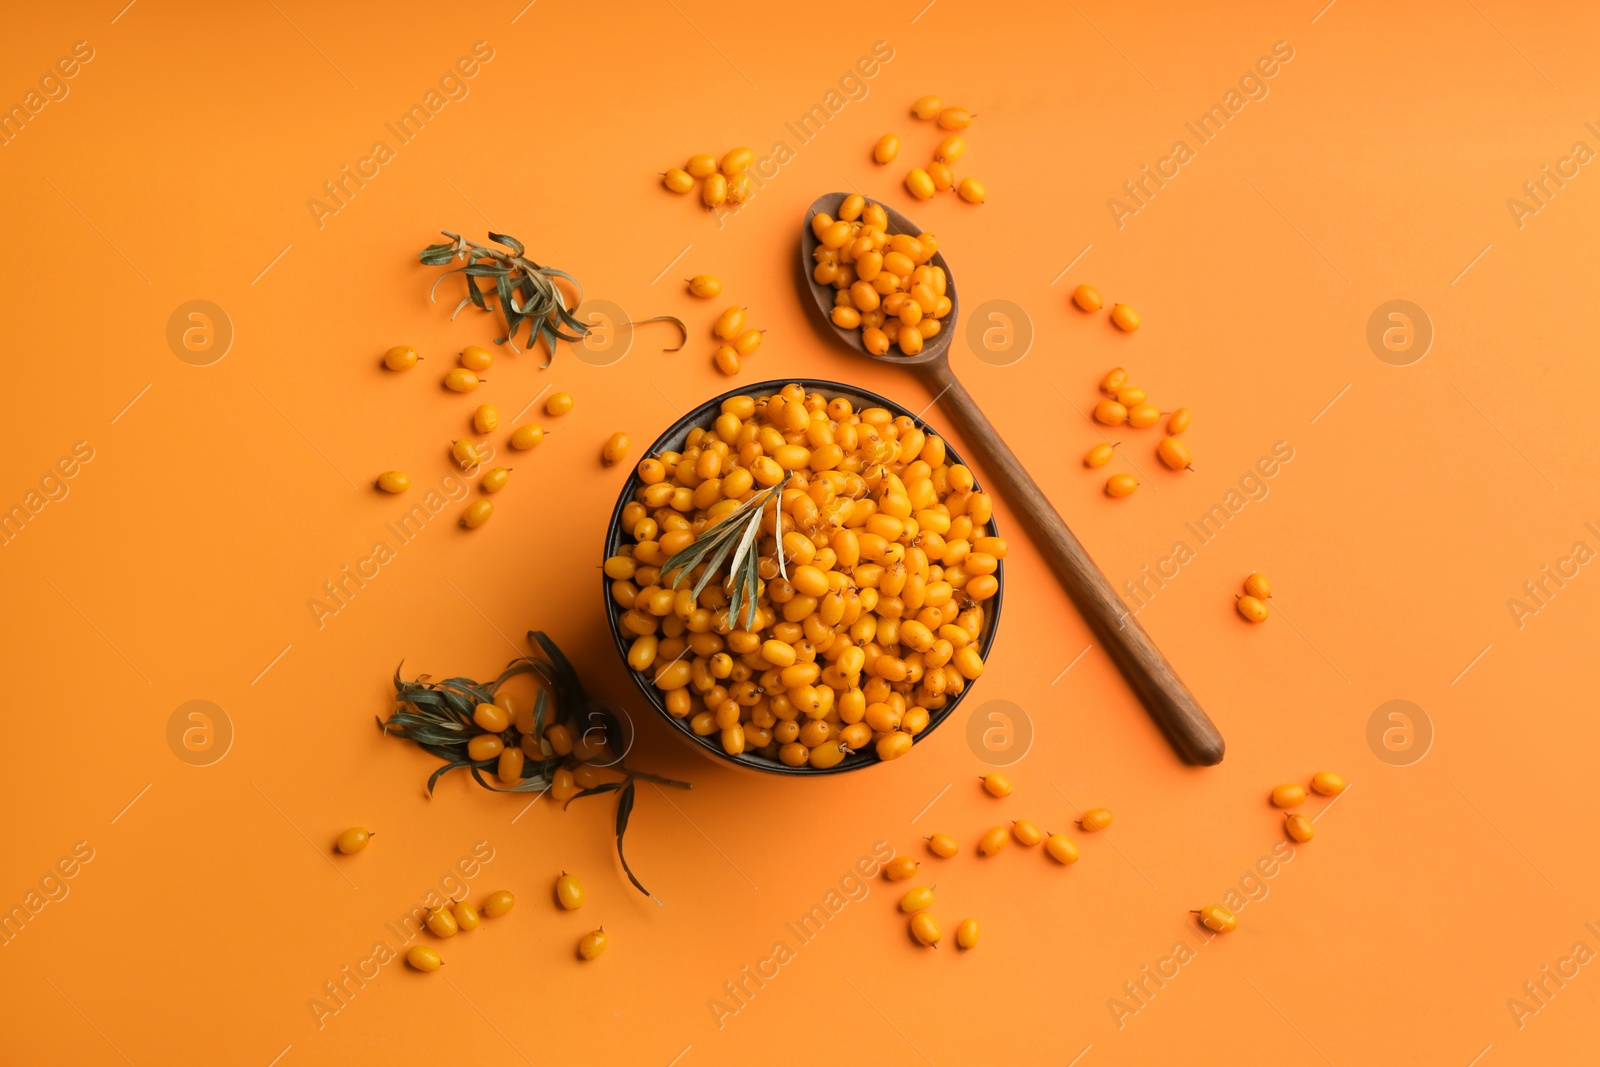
<point>1172,706</point>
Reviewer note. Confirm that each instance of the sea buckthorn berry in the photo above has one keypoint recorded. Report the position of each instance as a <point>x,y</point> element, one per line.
<point>509,769</point>
<point>900,868</point>
<point>1174,453</point>
<point>460,380</point>
<point>714,193</point>
<point>894,745</point>
<point>495,480</point>
<point>997,785</point>
<point>677,179</point>
<point>560,739</point>
<point>943,845</point>
<point>737,161</point>
<point>919,184</point>
<point>353,840</point>
<point>465,453</point>
<point>1125,317</point>
<point>1099,455</point>
<point>616,449</point>
<point>705,286</point>
<point>1299,827</point>
<point>1218,918</point>
<point>1061,848</point>
<point>423,958</point>
<point>886,149</point>
<point>1141,416</point>
<point>498,903</point>
<point>729,324</point>
<point>955,118</point>
<point>485,418</point>
<point>478,512</point>
<point>972,191</point>
<point>1258,586</point>
<point>1026,833</point>
<point>925,929</point>
<point>1252,609</point>
<point>939,171</point>
<point>558,404</point>
<point>927,107</point>
<point>569,891</point>
<point>852,206</point>
<point>1131,396</point>
<point>1088,298</point>
<point>1288,795</point>
<point>1114,381</point>
<point>593,944</point>
<point>967,933</point>
<point>727,360</point>
<point>466,915</point>
<point>1121,485</point>
<point>1110,413</point>
<point>917,899</point>
<point>442,922</point>
<point>993,840</point>
<point>1327,783</point>
<point>828,754</point>
<point>393,481</point>
<point>846,318</point>
<point>485,747</point>
<point>401,357</point>
<point>747,342</point>
<point>1095,819</point>
<point>476,358</point>
<point>491,717</point>
<point>950,149</point>
<point>526,437</point>
<point>1179,421</point>
<point>701,166</point>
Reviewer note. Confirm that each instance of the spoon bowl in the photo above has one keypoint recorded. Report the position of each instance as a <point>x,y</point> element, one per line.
<point>935,349</point>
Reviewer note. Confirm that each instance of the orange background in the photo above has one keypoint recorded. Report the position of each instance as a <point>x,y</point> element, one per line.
<point>180,564</point>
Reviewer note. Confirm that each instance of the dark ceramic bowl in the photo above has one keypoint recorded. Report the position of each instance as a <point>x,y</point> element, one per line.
<point>672,440</point>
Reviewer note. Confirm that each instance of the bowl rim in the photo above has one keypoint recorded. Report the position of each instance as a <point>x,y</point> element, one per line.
<point>702,415</point>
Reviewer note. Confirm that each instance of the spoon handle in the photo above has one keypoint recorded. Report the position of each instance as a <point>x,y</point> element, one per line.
<point>1169,702</point>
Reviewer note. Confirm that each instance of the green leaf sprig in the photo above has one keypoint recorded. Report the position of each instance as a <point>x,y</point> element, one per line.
<point>527,292</point>
<point>438,717</point>
<point>734,533</point>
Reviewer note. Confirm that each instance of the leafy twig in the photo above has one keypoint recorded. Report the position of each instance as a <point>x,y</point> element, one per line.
<point>527,291</point>
<point>438,717</point>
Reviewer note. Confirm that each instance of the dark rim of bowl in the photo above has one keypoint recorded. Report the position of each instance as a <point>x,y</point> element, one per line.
<point>702,416</point>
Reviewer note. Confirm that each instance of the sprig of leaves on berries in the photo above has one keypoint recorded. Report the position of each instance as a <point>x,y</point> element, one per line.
<point>735,532</point>
<point>438,717</point>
